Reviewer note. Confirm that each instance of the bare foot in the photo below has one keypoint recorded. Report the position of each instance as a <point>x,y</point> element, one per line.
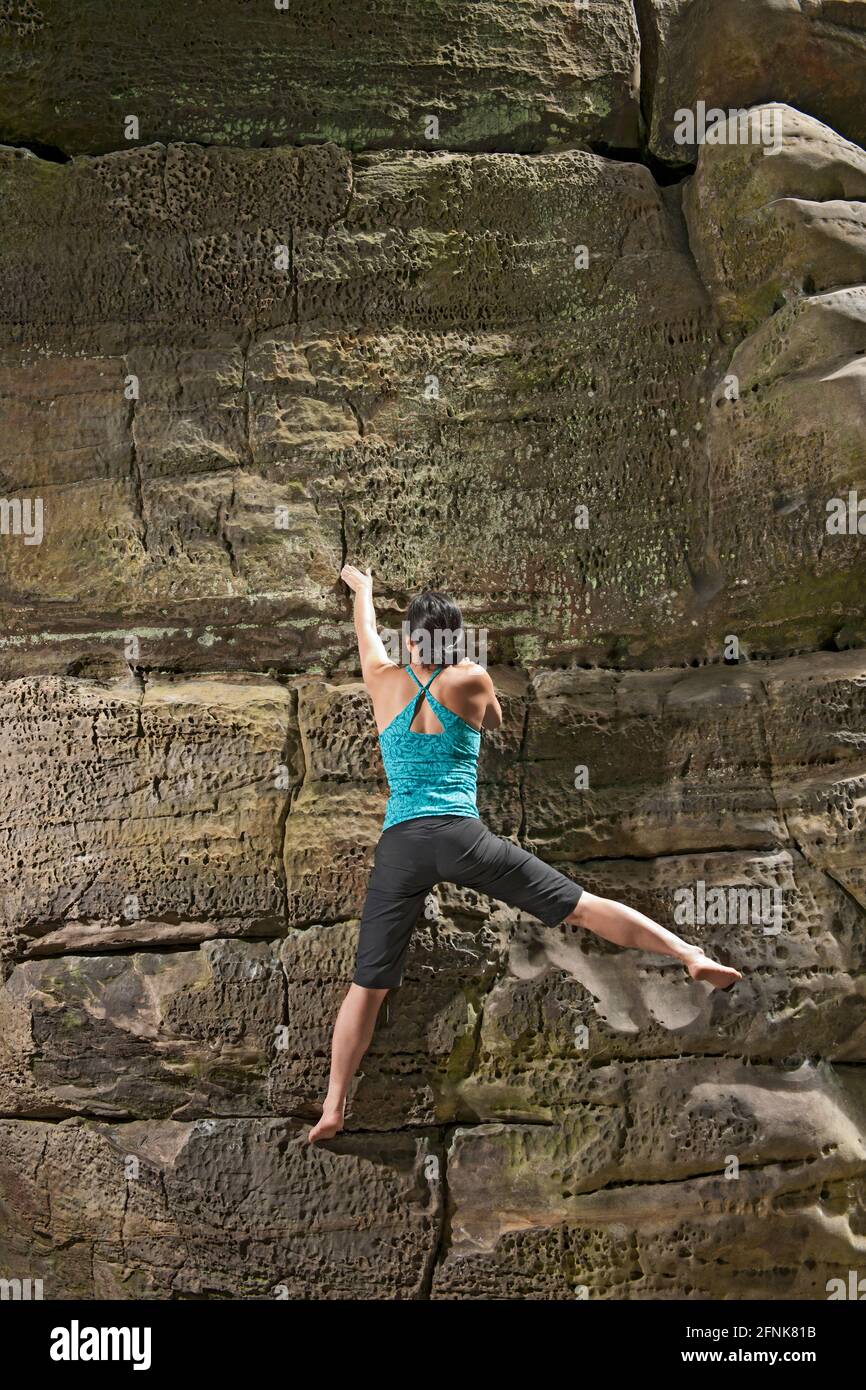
<point>330,1124</point>
<point>700,967</point>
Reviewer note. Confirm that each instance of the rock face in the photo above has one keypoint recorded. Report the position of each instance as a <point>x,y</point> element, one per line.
<point>389,356</point>
<point>509,74</point>
<point>282,328</point>
<point>220,1208</point>
<point>738,53</point>
<point>413,347</point>
<point>532,1068</point>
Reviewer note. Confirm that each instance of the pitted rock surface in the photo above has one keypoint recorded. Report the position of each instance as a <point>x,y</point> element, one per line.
<point>602,385</point>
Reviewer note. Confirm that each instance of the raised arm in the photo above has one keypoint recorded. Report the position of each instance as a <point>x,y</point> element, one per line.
<point>371,648</point>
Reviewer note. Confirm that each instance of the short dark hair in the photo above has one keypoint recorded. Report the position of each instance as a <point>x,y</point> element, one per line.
<point>437,616</point>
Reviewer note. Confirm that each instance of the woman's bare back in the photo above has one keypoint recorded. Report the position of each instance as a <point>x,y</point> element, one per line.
<point>466,689</point>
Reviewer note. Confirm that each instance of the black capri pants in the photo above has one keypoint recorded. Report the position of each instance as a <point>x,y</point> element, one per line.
<point>414,855</point>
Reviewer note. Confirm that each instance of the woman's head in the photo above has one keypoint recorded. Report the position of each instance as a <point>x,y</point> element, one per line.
<point>434,629</point>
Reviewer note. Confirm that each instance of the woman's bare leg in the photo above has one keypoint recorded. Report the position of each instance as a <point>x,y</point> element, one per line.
<point>626,927</point>
<point>352,1033</point>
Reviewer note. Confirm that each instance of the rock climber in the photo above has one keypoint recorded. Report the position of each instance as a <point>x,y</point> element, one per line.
<point>432,832</point>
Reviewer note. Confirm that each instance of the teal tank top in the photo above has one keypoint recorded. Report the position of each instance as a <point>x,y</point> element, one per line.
<point>429,774</point>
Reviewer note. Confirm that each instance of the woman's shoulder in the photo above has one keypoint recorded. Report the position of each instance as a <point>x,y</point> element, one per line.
<point>464,682</point>
<point>467,673</point>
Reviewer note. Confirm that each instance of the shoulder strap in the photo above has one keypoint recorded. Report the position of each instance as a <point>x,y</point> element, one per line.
<point>433,677</point>
<point>431,680</point>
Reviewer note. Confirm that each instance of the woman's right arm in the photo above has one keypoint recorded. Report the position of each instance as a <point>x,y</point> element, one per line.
<point>493,714</point>
<point>492,717</point>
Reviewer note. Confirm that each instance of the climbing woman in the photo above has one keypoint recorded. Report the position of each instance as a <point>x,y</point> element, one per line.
<point>430,718</point>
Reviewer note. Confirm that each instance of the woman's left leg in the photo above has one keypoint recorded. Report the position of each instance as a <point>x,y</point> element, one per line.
<point>473,856</point>
<point>625,926</point>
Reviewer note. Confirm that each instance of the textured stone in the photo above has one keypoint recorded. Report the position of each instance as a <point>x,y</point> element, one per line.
<point>308,390</point>
<point>216,1209</point>
<point>739,756</point>
<point>703,1238</point>
<point>284,417</point>
<point>349,342</point>
<point>750,782</point>
<point>569,1004</point>
<point>700,1142</point>
<point>785,427</point>
<point>733,54</point>
<point>179,1035</point>
<point>763,225</point>
<point>148,816</point>
<point>512,74</point>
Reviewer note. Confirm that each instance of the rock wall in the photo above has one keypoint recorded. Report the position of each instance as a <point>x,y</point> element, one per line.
<point>600,384</point>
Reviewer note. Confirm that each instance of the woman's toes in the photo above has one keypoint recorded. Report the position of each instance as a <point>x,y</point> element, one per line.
<point>711,973</point>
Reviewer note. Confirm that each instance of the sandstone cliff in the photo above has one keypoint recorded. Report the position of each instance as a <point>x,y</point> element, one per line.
<point>601,385</point>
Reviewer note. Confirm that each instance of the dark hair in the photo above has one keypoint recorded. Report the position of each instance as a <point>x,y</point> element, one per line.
<point>437,616</point>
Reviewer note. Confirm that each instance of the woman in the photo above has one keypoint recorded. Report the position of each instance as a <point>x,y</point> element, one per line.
<point>432,832</point>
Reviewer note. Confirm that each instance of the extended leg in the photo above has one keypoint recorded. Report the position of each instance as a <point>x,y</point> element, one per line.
<point>626,927</point>
<point>352,1033</point>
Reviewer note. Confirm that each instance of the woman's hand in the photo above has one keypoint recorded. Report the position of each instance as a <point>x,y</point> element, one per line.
<point>356,579</point>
